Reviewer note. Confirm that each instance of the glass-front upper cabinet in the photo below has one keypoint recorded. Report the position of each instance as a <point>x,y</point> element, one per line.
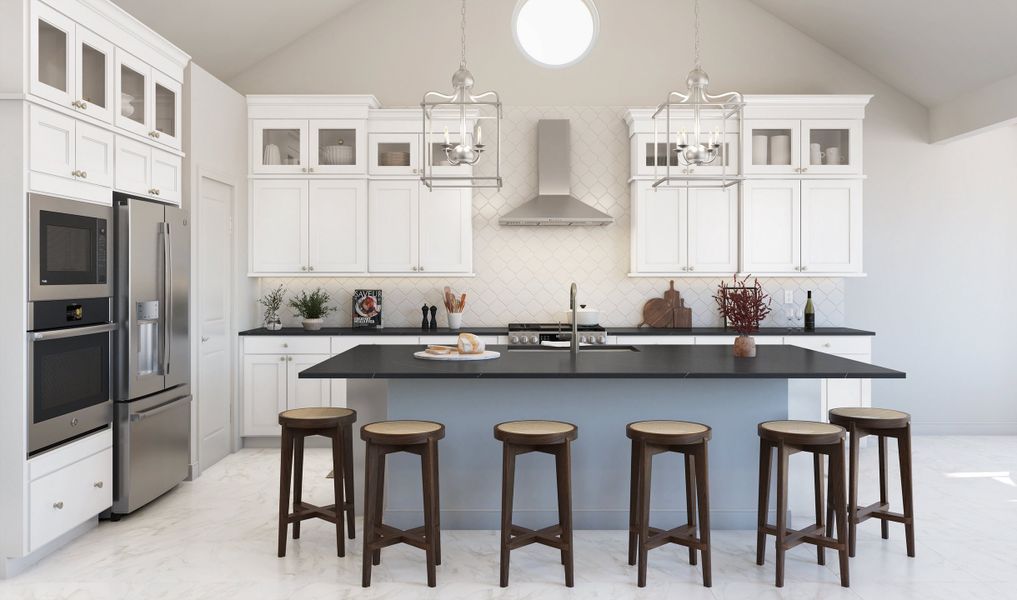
<point>652,155</point>
<point>772,146</point>
<point>166,110</point>
<point>132,106</point>
<point>394,154</point>
<point>831,146</point>
<point>94,75</point>
<point>279,146</point>
<point>52,55</point>
<point>339,146</point>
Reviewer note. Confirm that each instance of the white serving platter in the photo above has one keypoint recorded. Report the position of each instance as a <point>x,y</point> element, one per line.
<point>485,355</point>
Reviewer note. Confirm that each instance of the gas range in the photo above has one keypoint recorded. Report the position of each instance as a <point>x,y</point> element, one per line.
<point>532,334</point>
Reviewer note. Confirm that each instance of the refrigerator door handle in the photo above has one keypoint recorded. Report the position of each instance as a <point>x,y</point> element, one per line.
<point>167,250</point>
<point>152,412</point>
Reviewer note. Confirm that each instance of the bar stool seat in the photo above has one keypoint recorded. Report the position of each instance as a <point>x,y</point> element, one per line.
<point>689,439</point>
<point>883,423</point>
<point>298,424</point>
<point>548,437</point>
<point>388,437</point>
<point>820,439</point>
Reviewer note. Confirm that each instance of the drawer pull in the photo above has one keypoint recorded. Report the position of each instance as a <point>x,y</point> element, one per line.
<point>58,505</point>
<point>97,484</point>
<point>826,345</point>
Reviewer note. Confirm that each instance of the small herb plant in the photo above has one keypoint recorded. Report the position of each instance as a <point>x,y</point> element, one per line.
<point>744,305</point>
<point>272,302</point>
<point>313,305</point>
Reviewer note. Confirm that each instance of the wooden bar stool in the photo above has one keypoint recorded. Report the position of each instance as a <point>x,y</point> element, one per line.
<point>298,424</point>
<point>384,438</point>
<point>882,423</point>
<point>790,437</point>
<point>689,439</point>
<point>549,437</point>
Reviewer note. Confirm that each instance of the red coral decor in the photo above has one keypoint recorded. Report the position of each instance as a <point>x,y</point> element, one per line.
<point>742,305</point>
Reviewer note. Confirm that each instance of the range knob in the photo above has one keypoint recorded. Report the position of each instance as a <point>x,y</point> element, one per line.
<point>514,339</point>
<point>602,339</point>
<point>582,339</point>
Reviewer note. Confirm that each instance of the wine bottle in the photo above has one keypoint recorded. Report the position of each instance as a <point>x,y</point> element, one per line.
<point>810,314</point>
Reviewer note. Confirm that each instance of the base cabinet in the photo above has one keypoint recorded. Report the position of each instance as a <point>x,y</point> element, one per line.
<point>271,382</point>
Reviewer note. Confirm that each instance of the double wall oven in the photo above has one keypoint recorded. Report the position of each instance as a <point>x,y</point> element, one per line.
<point>70,328</point>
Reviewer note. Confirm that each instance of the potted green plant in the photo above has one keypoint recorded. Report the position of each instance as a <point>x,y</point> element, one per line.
<point>743,306</point>
<point>272,302</point>
<point>312,308</point>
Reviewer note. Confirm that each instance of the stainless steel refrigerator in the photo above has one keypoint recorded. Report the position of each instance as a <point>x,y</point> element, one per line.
<point>153,391</point>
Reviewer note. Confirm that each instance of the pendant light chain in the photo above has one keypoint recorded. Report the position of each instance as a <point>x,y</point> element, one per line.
<point>696,58</point>
<point>462,39</point>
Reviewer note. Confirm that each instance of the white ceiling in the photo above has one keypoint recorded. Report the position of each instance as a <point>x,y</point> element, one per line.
<point>932,50</point>
<point>226,37</point>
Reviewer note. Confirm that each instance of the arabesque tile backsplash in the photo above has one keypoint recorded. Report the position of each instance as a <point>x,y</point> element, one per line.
<point>523,273</point>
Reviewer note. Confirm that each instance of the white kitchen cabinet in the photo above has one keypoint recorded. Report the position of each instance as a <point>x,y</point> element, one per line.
<point>148,102</point>
<point>93,81</point>
<point>337,226</point>
<point>809,227</point>
<point>839,393</point>
<point>416,230</point>
<point>320,146</point>
<point>685,230</point>
<point>391,154</point>
<point>279,146</point>
<point>144,170</point>
<point>301,226</point>
<point>651,155</point>
<point>306,393</point>
<point>278,226</point>
<point>69,157</point>
<point>337,146</point>
<point>51,55</point>
<point>794,147</point>
<point>264,394</point>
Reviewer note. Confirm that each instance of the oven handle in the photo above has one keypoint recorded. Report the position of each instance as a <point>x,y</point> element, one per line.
<point>60,334</point>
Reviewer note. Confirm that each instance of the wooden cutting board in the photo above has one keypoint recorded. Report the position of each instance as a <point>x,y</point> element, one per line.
<point>668,312</point>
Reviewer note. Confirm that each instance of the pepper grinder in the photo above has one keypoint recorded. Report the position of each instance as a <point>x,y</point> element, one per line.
<point>423,320</point>
<point>434,320</point>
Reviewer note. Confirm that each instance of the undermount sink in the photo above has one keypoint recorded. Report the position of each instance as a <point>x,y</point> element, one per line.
<point>607,348</point>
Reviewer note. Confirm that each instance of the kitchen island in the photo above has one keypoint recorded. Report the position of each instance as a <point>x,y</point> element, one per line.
<point>600,390</point>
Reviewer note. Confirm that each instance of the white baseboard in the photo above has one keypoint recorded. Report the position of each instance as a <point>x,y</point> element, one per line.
<point>961,428</point>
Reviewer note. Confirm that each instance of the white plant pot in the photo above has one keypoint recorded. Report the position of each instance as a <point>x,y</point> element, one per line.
<point>312,324</point>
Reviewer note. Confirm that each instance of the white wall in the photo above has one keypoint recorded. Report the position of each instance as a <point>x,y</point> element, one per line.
<point>215,121</point>
<point>936,246</point>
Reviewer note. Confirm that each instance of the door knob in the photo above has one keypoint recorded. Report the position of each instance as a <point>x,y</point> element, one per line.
<point>58,505</point>
<point>204,338</point>
<point>97,484</point>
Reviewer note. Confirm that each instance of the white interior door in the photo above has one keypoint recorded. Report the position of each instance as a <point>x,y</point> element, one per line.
<point>214,390</point>
<point>771,226</point>
<point>393,226</point>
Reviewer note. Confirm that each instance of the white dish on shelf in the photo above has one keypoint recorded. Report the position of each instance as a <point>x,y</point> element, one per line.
<point>337,154</point>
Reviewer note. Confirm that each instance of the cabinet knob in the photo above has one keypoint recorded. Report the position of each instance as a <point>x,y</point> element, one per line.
<point>58,505</point>
<point>692,268</point>
<point>310,169</point>
<point>421,268</point>
<point>310,268</point>
<point>289,359</point>
<point>282,358</point>
<point>303,169</point>
<point>414,268</point>
<point>826,345</point>
<point>97,484</point>
<point>84,174</point>
<point>75,173</point>
<point>303,268</point>
<point>804,268</point>
<point>285,345</point>
<point>804,169</point>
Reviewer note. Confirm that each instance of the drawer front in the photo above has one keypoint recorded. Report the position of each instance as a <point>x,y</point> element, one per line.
<point>66,498</point>
<point>655,340</point>
<point>832,344</point>
<point>343,343</point>
<point>287,345</point>
<point>728,340</point>
<point>58,458</point>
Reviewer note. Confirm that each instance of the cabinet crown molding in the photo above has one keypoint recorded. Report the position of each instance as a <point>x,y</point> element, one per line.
<point>763,106</point>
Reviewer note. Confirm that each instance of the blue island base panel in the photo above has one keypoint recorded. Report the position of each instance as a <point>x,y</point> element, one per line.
<point>470,457</point>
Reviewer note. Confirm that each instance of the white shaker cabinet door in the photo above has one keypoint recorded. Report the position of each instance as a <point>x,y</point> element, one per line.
<point>337,226</point>
<point>279,226</point>
<point>659,233</point>
<point>133,166</point>
<point>713,230</point>
<point>166,176</point>
<point>52,139</point>
<point>771,226</point>
<point>94,148</point>
<point>393,226</point>
<point>264,395</point>
<point>832,226</point>
<point>445,231</point>
<point>306,393</point>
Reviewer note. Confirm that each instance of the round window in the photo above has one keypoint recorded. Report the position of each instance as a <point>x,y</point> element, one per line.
<point>555,33</point>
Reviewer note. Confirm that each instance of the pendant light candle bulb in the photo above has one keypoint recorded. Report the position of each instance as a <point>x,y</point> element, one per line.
<point>448,141</point>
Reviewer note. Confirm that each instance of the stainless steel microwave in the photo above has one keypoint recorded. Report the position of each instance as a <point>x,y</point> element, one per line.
<point>68,249</point>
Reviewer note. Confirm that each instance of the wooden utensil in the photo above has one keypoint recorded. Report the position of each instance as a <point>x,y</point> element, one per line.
<point>667,312</point>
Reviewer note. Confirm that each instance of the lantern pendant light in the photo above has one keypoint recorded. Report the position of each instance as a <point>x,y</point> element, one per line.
<point>696,127</point>
<point>450,158</point>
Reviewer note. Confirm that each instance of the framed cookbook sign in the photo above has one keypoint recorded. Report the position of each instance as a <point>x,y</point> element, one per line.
<point>367,308</point>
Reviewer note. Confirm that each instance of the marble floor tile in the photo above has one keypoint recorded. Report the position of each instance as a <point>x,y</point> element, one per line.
<point>214,538</point>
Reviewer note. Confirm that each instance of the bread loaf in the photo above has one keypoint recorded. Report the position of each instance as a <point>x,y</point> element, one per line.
<point>470,344</point>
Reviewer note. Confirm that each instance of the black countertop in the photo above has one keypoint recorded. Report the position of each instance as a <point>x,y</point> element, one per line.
<point>650,362</point>
<point>340,331</point>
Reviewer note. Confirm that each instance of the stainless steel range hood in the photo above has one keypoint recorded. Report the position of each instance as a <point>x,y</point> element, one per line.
<point>554,204</point>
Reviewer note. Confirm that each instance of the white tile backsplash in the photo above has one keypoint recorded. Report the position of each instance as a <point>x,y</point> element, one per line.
<point>523,273</point>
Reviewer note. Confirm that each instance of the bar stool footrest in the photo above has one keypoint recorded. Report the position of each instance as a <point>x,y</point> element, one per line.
<point>548,536</point>
<point>304,511</point>
<point>813,534</point>
<point>387,535</point>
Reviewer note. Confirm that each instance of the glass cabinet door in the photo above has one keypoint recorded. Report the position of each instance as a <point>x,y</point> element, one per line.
<point>339,146</point>
<point>279,146</point>
<point>52,55</point>
<point>131,100</point>
<point>94,63</point>
<point>439,161</point>
<point>166,123</point>
<point>772,146</point>
<point>831,146</point>
<point>394,154</point>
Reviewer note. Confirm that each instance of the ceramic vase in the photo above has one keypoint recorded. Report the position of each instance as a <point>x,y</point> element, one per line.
<point>745,346</point>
